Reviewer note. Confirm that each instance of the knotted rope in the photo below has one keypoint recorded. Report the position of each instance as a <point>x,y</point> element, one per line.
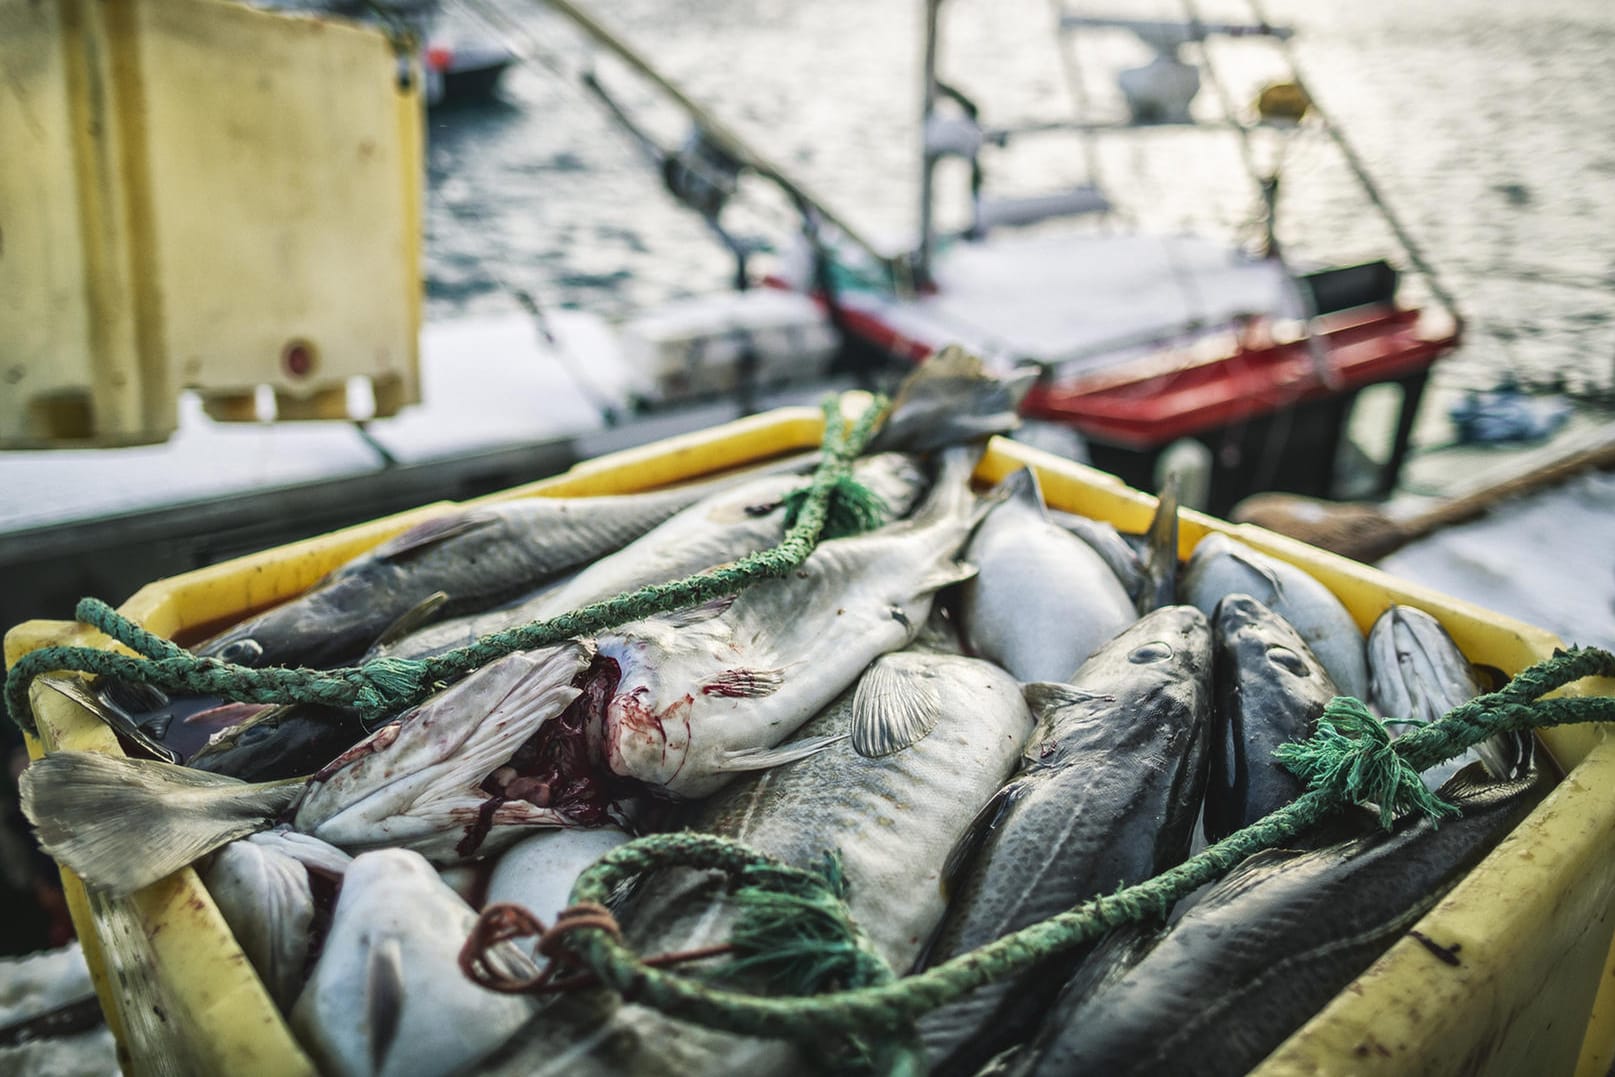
<point>1353,760</point>
<point>832,504</point>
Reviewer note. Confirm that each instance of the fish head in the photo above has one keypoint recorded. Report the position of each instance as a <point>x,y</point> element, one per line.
<point>1221,566</point>
<point>1251,638</point>
<point>436,779</point>
<point>264,895</point>
<point>1415,668</point>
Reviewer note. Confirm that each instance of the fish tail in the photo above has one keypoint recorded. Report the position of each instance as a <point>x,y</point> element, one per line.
<point>122,824</point>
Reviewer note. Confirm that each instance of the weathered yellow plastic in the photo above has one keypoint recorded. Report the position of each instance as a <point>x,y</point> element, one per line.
<point>189,191</point>
<point>1532,922</point>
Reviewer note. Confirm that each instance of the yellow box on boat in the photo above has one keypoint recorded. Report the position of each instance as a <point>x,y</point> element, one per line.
<point>182,206</point>
<point>1530,926</point>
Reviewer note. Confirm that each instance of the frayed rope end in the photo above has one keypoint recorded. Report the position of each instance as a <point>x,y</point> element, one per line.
<point>1352,756</point>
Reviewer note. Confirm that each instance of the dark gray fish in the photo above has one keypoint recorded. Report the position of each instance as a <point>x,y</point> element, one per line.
<point>1107,794</point>
<point>478,557</point>
<point>949,400</point>
<point>1260,952</point>
<point>280,742</point>
<point>1271,689</point>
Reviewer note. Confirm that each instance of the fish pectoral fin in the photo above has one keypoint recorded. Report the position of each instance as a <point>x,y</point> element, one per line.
<point>945,576</point>
<point>1264,571</point>
<point>964,850</point>
<point>1044,696</point>
<point>895,705</point>
<point>744,683</point>
<point>423,536</point>
<point>75,689</point>
<point>384,998</point>
<point>706,611</point>
<point>744,759</point>
<point>415,617</point>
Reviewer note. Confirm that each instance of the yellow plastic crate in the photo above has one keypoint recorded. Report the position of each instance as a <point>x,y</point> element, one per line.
<point>1533,920</point>
<point>196,193</point>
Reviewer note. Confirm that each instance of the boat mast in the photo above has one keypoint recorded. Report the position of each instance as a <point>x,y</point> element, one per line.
<point>922,256</point>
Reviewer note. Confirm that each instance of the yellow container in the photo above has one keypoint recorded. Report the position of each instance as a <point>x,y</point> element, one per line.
<point>1531,923</point>
<point>194,193</point>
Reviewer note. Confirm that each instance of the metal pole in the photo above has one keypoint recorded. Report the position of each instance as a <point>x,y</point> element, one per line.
<point>922,256</point>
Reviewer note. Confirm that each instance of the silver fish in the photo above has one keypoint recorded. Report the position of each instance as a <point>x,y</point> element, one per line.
<point>537,872</point>
<point>387,998</point>
<point>419,782</point>
<point>1417,671</point>
<point>439,779</point>
<point>723,527</point>
<point>892,819</point>
<point>261,886</point>
<point>1223,566</point>
<point>477,557</point>
<point>701,695</point>
<point>1042,601</point>
<point>1118,555</point>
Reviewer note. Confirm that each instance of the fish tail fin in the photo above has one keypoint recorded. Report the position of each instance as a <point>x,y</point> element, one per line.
<point>951,399</point>
<point>1161,552</point>
<point>122,824</point>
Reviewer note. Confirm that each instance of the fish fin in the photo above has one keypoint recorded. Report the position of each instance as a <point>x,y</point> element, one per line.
<point>423,536</point>
<point>744,683</point>
<point>895,705</point>
<point>122,824</point>
<point>384,998</point>
<point>1161,556</point>
<point>103,708</point>
<point>950,399</point>
<point>706,611</point>
<point>945,576</point>
<point>744,759</point>
<point>1256,566</point>
<point>1043,696</point>
<point>417,616</point>
<point>991,813</point>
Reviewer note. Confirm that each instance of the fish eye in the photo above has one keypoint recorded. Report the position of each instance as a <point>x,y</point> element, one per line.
<point>1287,659</point>
<point>1150,652</point>
<point>241,652</point>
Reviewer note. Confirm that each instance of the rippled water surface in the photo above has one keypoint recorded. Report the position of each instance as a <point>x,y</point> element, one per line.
<point>1487,125</point>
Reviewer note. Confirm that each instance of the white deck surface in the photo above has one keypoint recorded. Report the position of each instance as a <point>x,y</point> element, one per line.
<point>485,383</point>
<point>1056,295</point>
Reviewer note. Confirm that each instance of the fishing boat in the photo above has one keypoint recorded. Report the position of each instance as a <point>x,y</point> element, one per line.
<point>1140,340</point>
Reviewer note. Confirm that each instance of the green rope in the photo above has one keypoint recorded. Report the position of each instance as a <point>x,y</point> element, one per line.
<point>386,686</point>
<point>1347,763</point>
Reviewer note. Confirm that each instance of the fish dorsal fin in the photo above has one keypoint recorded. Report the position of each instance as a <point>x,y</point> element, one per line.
<point>739,760</point>
<point>384,998</point>
<point>417,616</point>
<point>990,815</point>
<point>428,533</point>
<point>122,824</point>
<point>1045,696</point>
<point>75,689</point>
<point>895,705</point>
<point>1161,552</point>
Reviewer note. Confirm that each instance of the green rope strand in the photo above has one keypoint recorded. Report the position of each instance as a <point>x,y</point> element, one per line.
<point>386,686</point>
<point>1347,764</point>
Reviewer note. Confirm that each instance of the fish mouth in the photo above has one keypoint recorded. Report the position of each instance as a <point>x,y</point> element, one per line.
<point>559,768</point>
